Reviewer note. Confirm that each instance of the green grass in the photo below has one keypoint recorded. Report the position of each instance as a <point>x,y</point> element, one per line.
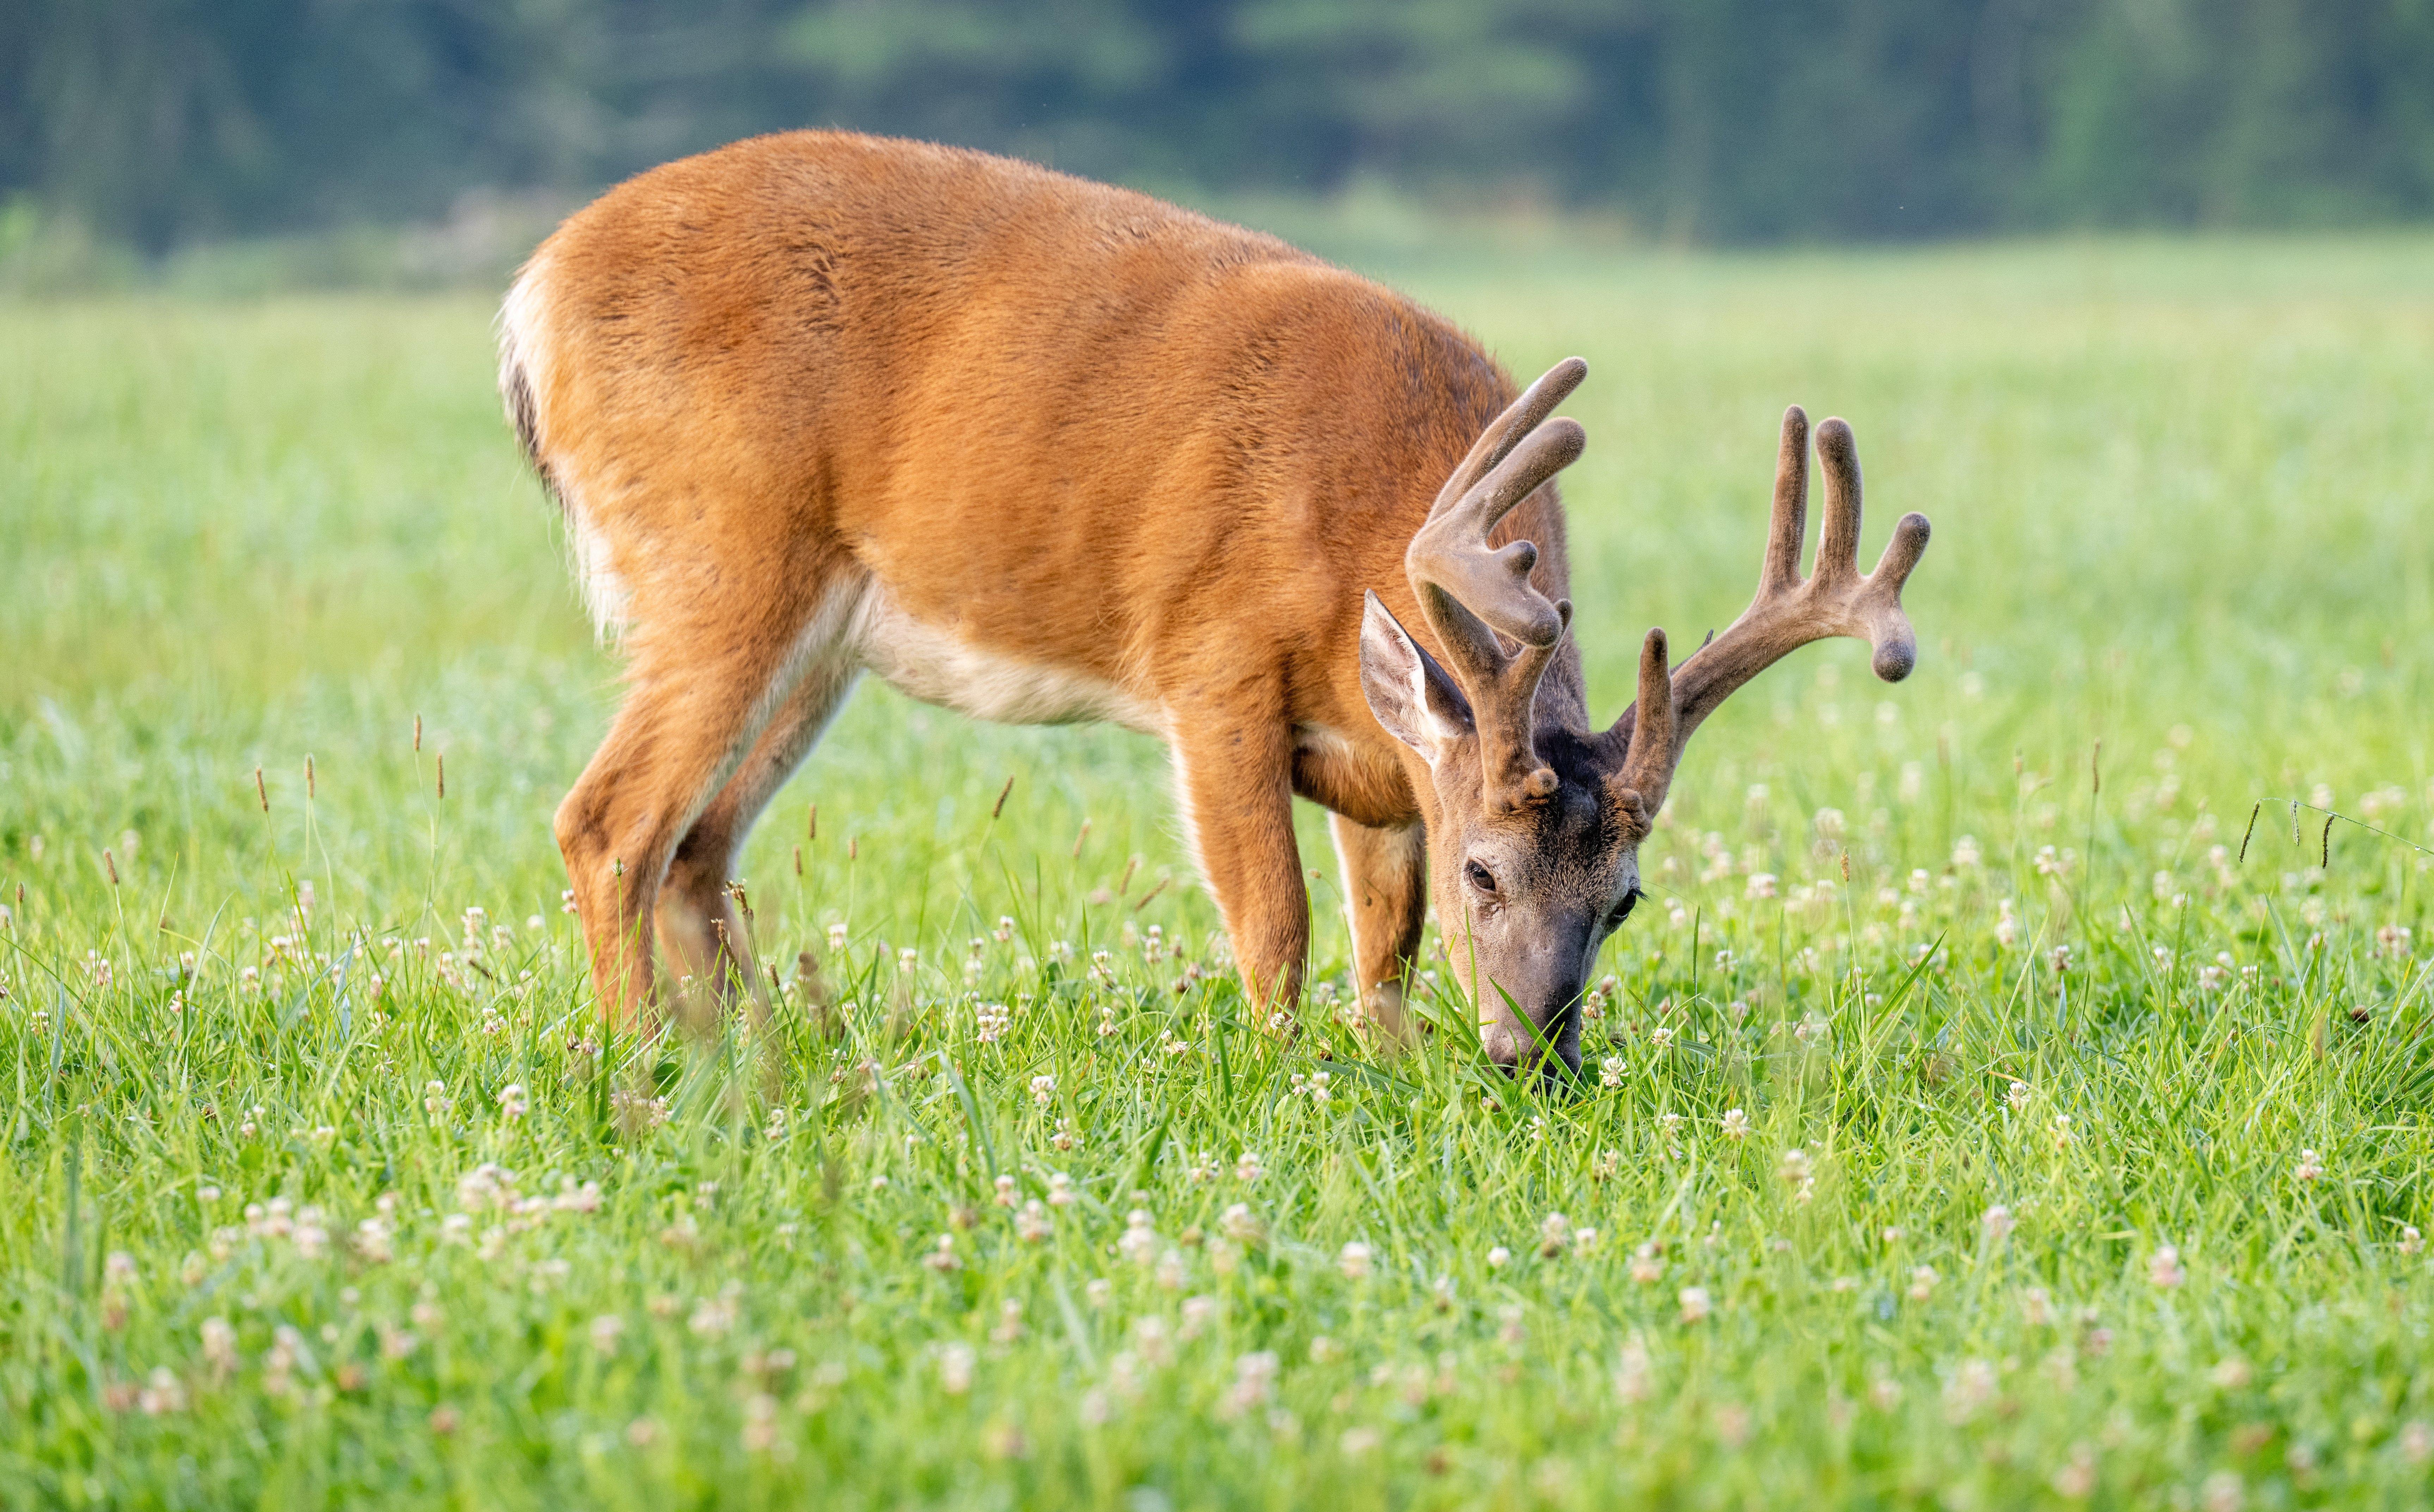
<point>2183,500</point>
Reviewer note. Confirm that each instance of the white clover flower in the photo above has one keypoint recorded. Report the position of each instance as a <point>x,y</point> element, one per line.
<point>1139,1242</point>
<point>372,1242</point>
<point>1150,1334</point>
<point>1634,1379</point>
<point>713,1317</point>
<point>1043,1090</point>
<point>1973,1389</point>
<point>1499,1257</point>
<point>488,1185</point>
<point>1555,1235</point>
<point>1995,1223</point>
<point>2164,1268</point>
<point>1694,1302</point>
<point>219,1344</point>
<point>1610,1071</point>
<point>1353,1259</point>
<point>955,1364</point>
<point>1031,1226</point>
<point>513,1103</point>
<point>161,1393</point>
<point>2416,1441</point>
<point>1239,1223</point>
<point>1736,1125</point>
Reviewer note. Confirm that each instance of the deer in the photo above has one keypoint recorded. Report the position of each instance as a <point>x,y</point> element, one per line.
<point>1041,450</point>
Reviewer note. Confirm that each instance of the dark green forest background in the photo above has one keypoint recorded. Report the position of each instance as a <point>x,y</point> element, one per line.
<point>156,124</point>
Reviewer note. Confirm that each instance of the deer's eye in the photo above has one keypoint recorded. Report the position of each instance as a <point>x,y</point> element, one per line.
<point>1622,910</point>
<point>1481,878</point>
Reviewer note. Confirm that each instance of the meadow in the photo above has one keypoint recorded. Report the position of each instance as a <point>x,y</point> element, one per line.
<point>1992,1107</point>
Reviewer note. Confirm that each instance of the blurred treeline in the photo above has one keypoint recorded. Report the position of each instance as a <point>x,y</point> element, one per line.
<point>155,123</point>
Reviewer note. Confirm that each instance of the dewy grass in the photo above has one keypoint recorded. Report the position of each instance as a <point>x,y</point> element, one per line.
<point>1954,1133</point>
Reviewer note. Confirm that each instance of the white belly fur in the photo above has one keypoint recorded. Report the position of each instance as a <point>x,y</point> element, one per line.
<point>928,661</point>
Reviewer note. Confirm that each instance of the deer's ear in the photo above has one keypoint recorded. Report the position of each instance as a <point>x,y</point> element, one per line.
<point>1412,697</point>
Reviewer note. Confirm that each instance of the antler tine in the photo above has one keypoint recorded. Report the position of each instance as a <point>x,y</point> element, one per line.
<point>1837,539</point>
<point>1648,771</point>
<point>1876,604</point>
<point>1520,418</point>
<point>1787,528</point>
<point>1470,592</point>
<point>1787,612</point>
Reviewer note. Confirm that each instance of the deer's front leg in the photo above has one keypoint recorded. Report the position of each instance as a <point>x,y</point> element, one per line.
<point>1234,780</point>
<point>1386,902</point>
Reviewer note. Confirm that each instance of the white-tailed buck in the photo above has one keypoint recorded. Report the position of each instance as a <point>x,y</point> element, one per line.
<point>1041,450</point>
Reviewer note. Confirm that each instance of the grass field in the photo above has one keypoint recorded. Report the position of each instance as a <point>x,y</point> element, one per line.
<point>314,1191</point>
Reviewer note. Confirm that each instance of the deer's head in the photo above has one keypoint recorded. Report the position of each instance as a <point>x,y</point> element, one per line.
<point>1534,825</point>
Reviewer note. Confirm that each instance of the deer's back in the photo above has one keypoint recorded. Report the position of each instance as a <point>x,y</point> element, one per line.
<point>1072,422</point>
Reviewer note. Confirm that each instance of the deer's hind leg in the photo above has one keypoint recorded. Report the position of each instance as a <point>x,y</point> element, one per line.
<point>716,654</point>
<point>699,923</point>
